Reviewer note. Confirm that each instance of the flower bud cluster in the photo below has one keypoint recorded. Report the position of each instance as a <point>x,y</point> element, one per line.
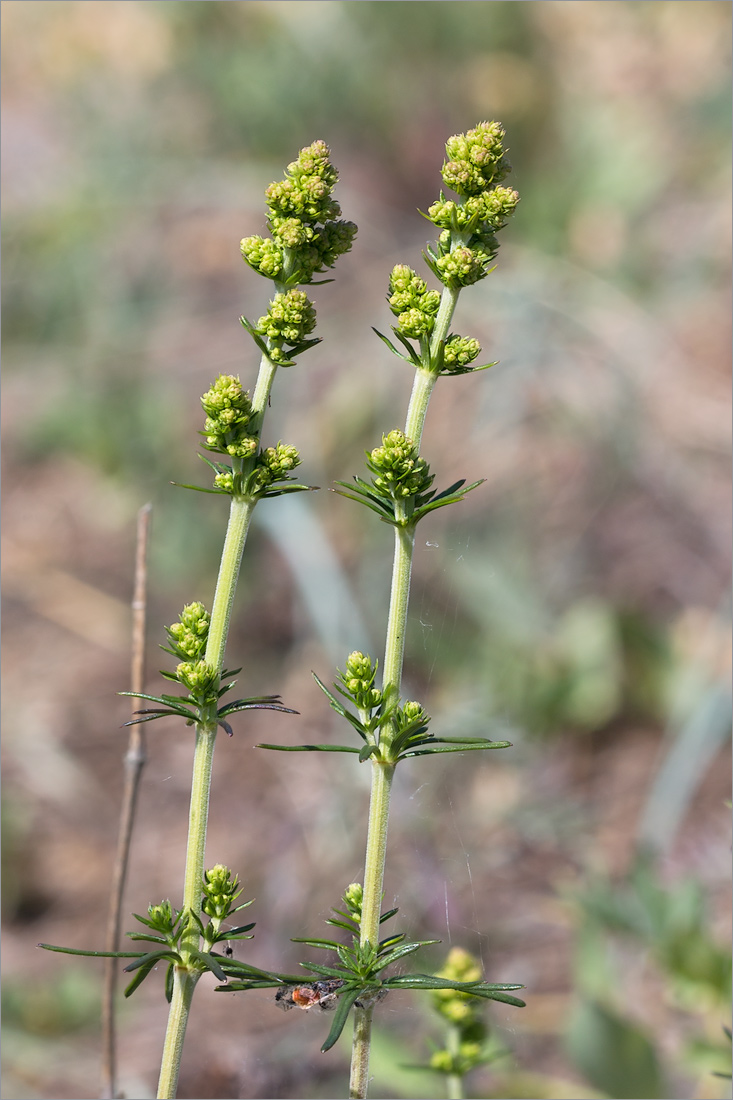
<point>290,318</point>
<point>199,677</point>
<point>411,714</point>
<point>491,209</point>
<point>476,161</point>
<point>220,892</point>
<point>353,899</point>
<point>228,413</point>
<point>189,635</point>
<point>275,463</point>
<point>459,351</point>
<point>475,166</point>
<point>412,303</point>
<point>307,236</point>
<point>162,916</point>
<point>461,1012</point>
<point>358,680</point>
<point>399,471</point>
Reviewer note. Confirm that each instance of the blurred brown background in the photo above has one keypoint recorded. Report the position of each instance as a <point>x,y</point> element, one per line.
<point>576,604</point>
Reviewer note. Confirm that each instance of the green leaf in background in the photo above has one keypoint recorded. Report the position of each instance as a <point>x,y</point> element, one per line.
<point>613,1054</point>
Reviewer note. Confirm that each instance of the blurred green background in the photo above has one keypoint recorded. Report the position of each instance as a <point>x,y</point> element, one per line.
<point>577,604</point>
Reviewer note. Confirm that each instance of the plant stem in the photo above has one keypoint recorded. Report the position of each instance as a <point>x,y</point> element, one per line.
<point>360,1048</point>
<point>382,773</point>
<point>184,983</point>
<point>240,516</point>
<point>454,1080</point>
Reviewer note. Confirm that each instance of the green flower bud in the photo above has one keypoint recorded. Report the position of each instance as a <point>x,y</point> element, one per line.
<point>411,712</point>
<point>306,191</point>
<point>358,680</point>
<point>461,267</point>
<point>198,676</point>
<point>263,255</point>
<point>442,1061</point>
<point>476,159</point>
<point>410,300</point>
<point>189,635</point>
<point>290,318</point>
<point>225,481</point>
<point>499,205</point>
<point>400,472</point>
<point>163,916</point>
<point>353,899</point>
<point>459,351</point>
<point>220,892</point>
<point>275,463</point>
<point>229,411</point>
<point>470,1053</point>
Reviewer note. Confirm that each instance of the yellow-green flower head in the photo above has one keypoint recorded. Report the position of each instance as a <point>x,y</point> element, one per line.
<point>290,318</point>
<point>461,267</point>
<point>262,254</point>
<point>275,464</point>
<point>198,676</point>
<point>459,351</point>
<point>358,680</point>
<point>220,891</point>
<point>476,160</point>
<point>306,190</point>
<point>224,481</point>
<point>353,899</point>
<point>400,472</point>
<point>410,300</point>
<point>412,712</point>
<point>229,411</point>
<point>306,235</point>
<point>162,915</point>
<point>189,635</point>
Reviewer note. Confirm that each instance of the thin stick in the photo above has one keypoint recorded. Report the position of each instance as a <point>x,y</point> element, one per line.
<point>134,763</point>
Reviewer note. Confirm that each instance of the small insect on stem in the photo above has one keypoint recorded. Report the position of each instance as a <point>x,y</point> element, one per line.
<point>308,995</point>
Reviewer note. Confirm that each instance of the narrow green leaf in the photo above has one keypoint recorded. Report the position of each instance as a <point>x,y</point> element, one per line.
<point>457,748</point>
<point>139,978</point>
<point>386,916</point>
<point>401,952</point>
<point>155,956</point>
<point>201,489</point>
<point>209,961</point>
<point>329,945</point>
<point>308,748</point>
<point>90,954</point>
<point>392,348</point>
<point>169,983</point>
<point>343,1008</point>
<point>238,932</point>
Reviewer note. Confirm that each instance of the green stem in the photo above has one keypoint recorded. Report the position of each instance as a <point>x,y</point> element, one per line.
<point>359,1081</point>
<point>454,1080</point>
<point>382,773</point>
<point>184,983</point>
<point>240,515</point>
<point>185,978</point>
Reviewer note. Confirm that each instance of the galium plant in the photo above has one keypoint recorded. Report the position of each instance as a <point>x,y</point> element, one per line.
<point>306,238</point>
<point>399,489</point>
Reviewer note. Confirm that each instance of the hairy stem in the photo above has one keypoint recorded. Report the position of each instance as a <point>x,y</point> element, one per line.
<point>382,773</point>
<point>184,983</point>
<point>359,1081</point>
<point>240,516</point>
